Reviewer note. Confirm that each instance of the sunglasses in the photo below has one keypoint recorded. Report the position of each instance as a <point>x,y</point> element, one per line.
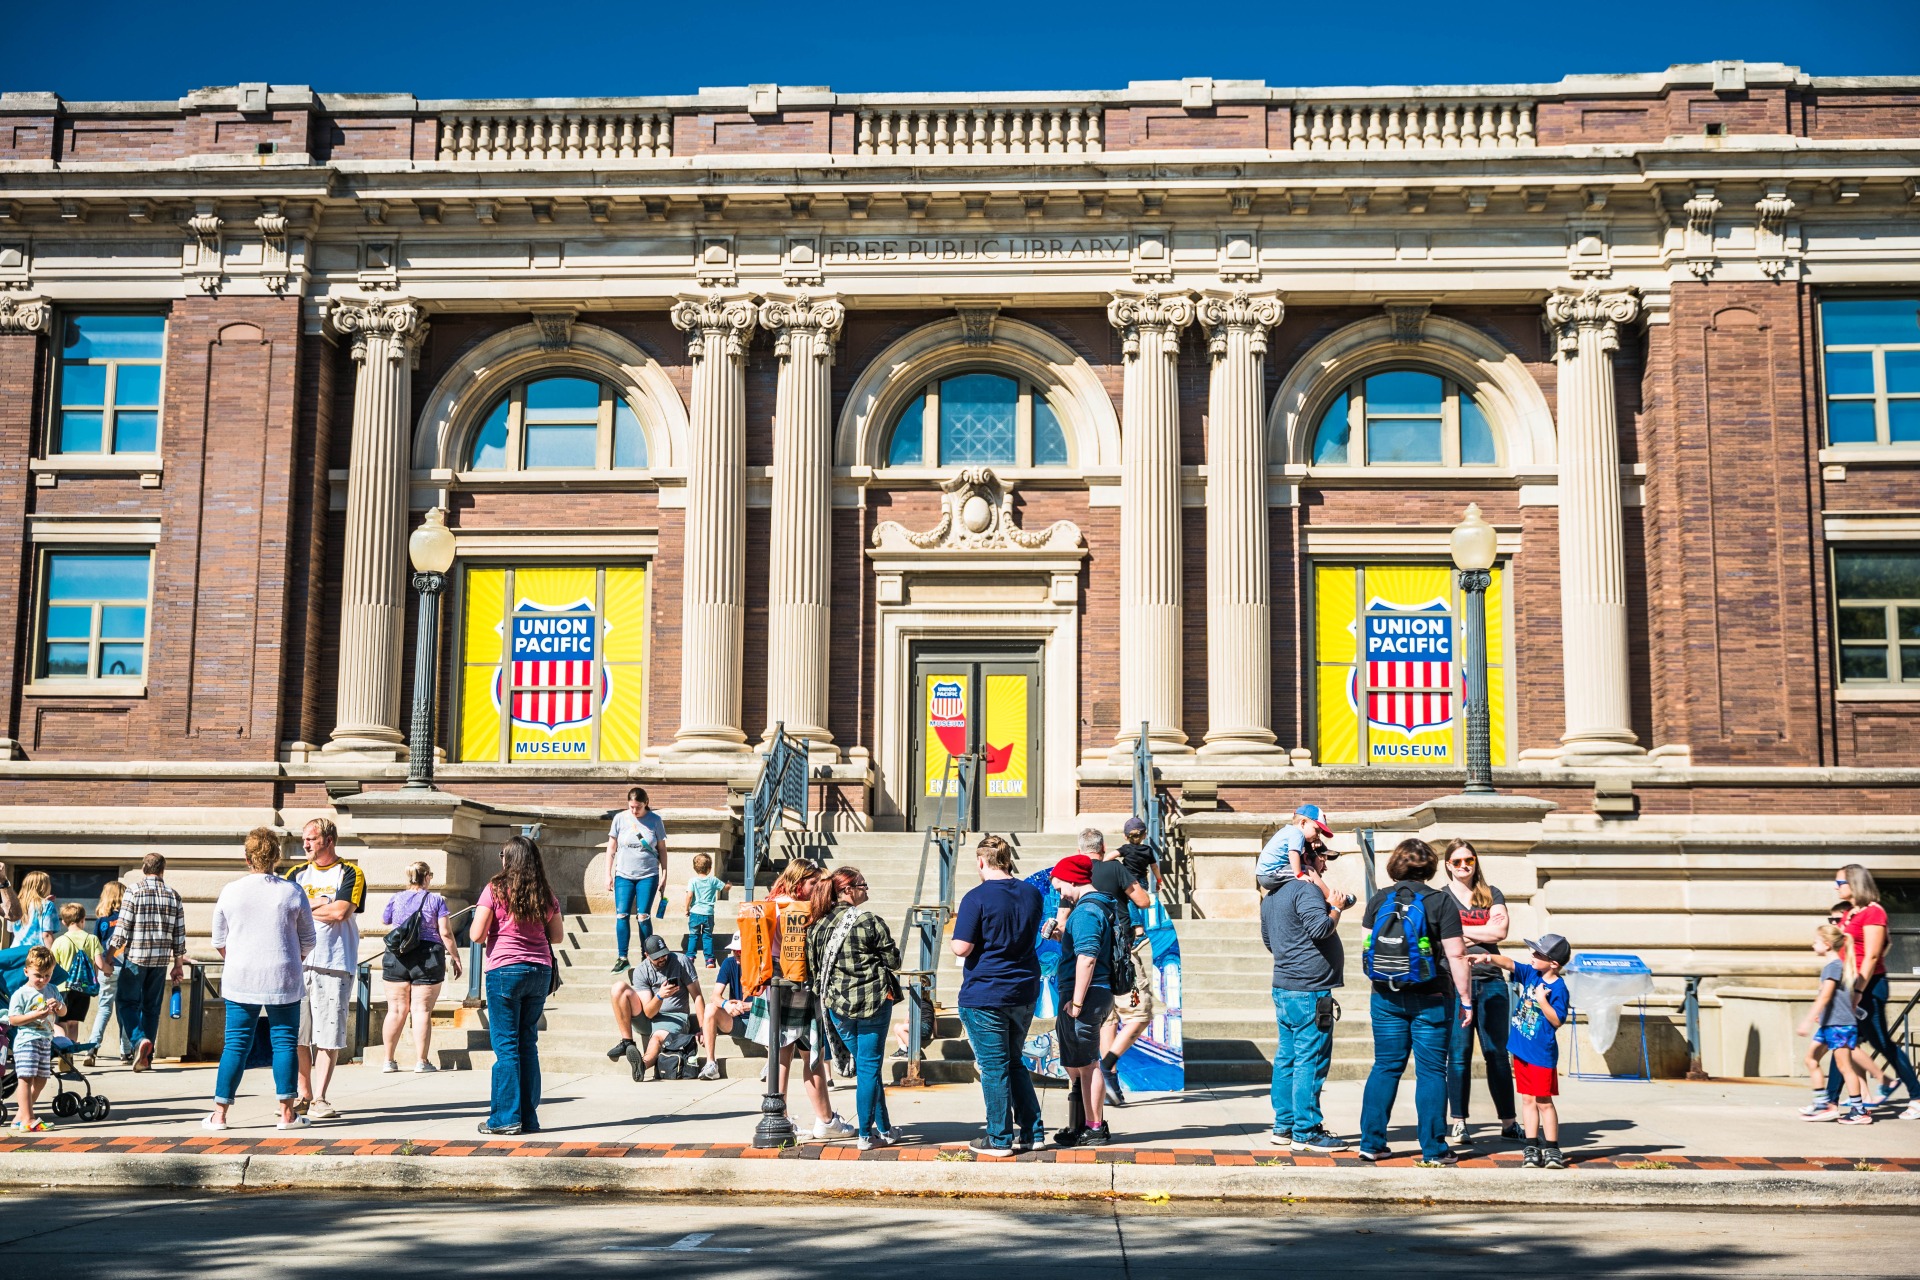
<point>856,884</point>
<point>1461,862</point>
<point>1839,879</point>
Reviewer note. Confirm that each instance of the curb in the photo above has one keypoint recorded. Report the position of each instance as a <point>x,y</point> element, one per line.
<point>458,1175</point>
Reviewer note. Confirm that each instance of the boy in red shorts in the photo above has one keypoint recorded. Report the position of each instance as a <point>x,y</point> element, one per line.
<point>1535,1050</point>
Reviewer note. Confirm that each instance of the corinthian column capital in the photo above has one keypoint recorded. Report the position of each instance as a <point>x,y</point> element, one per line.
<point>727,318</point>
<point>1601,312</point>
<point>821,317</point>
<point>1151,318</point>
<point>1224,312</point>
<point>24,315</point>
<point>398,320</point>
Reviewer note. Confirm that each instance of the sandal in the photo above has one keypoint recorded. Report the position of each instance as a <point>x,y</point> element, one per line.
<point>38,1126</point>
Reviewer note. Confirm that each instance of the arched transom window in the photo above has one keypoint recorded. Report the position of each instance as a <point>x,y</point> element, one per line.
<point>1404,418</point>
<point>977,419</point>
<point>557,423</point>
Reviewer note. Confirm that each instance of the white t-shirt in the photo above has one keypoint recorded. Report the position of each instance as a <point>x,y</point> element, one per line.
<point>637,845</point>
<point>336,947</point>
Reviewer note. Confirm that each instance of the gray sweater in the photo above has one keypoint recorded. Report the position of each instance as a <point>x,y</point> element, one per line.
<point>1303,938</point>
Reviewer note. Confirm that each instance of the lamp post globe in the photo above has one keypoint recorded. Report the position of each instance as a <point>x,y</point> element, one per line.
<point>1475,547</point>
<point>430,548</point>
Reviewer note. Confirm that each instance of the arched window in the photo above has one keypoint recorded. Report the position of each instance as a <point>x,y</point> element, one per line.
<point>560,422</point>
<point>978,419</point>
<point>1404,418</point>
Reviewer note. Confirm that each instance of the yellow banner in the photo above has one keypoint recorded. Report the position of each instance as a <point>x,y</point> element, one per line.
<point>945,729</point>
<point>1006,737</point>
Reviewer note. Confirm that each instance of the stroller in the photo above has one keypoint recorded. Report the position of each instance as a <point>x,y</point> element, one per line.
<point>68,1101</point>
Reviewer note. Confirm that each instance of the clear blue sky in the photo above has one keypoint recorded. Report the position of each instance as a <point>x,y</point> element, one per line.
<point>112,49</point>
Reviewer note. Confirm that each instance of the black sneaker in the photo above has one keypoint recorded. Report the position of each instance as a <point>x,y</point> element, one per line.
<point>621,965</point>
<point>1096,1136</point>
<point>638,1063</point>
<point>1374,1157</point>
<point>1554,1158</point>
<point>1531,1158</point>
<point>988,1148</point>
<point>1512,1132</point>
<point>1068,1137</point>
<point>1317,1139</point>
<point>505,1131</point>
<point>1025,1144</point>
<point>619,1051</point>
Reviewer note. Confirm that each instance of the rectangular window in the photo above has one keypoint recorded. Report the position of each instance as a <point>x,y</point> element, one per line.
<point>93,615</point>
<point>553,663</point>
<point>1871,364</point>
<point>1876,594</point>
<point>110,384</point>
<point>1388,682</point>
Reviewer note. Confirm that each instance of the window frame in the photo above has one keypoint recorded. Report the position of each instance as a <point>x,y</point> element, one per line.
<point>1882,425</point>
<point>1451,391</point>
<point>42,680</point>
<point>927,391</point>
<point>515,397</point>
<point>108,410</point>
<point>1892,645</point>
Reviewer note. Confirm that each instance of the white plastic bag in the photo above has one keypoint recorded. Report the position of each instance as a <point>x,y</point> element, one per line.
<point>1599,991</point>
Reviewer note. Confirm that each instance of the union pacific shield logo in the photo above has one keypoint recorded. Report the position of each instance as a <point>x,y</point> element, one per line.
<point>553,653</point>
<point>947,713</point>
<point>1409,657</point>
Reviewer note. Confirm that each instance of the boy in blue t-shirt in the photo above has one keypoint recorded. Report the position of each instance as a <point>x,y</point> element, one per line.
<point>703,891</point>
<point>1535,1050</point>
<point>1283,857</point>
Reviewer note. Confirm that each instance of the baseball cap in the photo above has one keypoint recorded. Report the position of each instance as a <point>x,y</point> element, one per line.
<point>733,944</point>
<point>1111,878</point>
<point>1075,868</point>
<point>1552,946</point>
<point>656,944</point>
<point>1134,827</point>
<point>1312,811</point>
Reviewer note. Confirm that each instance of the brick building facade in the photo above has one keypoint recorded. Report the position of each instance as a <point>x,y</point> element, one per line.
<point>907,420</point>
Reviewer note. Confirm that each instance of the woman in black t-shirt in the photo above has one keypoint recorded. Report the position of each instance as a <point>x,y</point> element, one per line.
<point>1483,922</point>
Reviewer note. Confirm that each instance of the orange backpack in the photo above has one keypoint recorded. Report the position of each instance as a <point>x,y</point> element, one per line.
<point>795,919</point>
<point>755,923</point>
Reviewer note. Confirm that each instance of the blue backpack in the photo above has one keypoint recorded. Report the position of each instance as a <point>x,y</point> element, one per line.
<point>1398,951</point>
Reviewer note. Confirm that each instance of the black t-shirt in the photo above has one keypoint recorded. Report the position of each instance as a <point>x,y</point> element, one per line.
<point>1443,922</point>
<point>1476,917</point>
<point>1139,860</point>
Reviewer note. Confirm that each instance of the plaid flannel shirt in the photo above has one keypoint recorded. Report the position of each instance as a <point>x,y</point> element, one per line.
<point>862,972</point>
<point>153,925</point>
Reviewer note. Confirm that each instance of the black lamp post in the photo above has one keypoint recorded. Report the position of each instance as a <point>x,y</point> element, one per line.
<point>431,550</point>
<point>1473,555</point>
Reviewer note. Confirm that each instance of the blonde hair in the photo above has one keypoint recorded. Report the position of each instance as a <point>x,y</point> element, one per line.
<point>418,873</point>
<point>112,894</point>
<point>1481,895</point>
<point>39,959</point>
<point>324,828</point>
<point>263,849</point>
<point>1860,880</point>
<point>1841,945</point>
<point>72,913</point>
<point>995,852</point>
<point>36,890</point>
<point>702,863</point>
<point>796,870</point>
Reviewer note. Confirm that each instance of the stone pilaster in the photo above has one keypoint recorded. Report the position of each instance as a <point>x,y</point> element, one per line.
<point>23,322</point>
<point>1593,577</point>
<point>1151,662</point>
<point>714,598</point>
<point>799,566</point>
<point>1239,577</point>
<point>386,334</point>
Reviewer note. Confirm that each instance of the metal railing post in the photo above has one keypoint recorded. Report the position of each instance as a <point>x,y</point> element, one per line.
<point>1366,862</point>
<point>363,998</point>
<point>1696,1069</point>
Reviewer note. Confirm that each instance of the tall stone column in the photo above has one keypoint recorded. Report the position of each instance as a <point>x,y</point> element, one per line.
<point>1151,661</point>
<point>799,565</point>
<point>1239,578</point>
<point>713,613</point>
<point>1593,576</point>
<point>386,334</point>
<point>24,320</point>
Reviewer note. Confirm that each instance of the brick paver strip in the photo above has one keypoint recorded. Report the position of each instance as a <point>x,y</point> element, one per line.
<point>427,1148</point>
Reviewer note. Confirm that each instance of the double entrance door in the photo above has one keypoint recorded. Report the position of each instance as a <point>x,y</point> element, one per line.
<point>976,699</point>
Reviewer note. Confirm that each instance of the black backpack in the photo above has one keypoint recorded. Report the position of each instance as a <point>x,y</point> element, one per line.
<point>679,1057</point>
<point>406,937</point>
<point>1120,967</point>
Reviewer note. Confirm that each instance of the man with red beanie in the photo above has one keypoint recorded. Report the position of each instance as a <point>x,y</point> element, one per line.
<point>1086,992</point>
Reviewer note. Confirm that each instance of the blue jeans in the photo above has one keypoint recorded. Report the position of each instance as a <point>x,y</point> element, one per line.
<point>1492,1010</point>
<point>997,1035</point>
<point>700,935</point>
<point>1300,1061</point>
<point>103,1013</point>
<point>283,1030</point>
<point>516,993</point>
<point>141,989</point>
<point>632,897</point>
<point>867,1038</point>
<point>1408,1022</point>
<point>1874,1035</point>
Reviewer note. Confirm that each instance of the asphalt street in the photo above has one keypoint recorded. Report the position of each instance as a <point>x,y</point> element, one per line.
<point>74,1234</point>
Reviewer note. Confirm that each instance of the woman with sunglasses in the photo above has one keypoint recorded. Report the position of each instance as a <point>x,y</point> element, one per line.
<point>1483,922</point>
<point>1866,929</point>
<point>854,959</point>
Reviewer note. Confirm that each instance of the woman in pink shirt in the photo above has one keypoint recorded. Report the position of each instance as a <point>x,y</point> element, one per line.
<point>516,921</point>
<point>1866,927</point>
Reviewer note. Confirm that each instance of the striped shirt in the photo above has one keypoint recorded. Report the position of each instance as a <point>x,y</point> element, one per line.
<point>856,987</point>
<point>153,925</point>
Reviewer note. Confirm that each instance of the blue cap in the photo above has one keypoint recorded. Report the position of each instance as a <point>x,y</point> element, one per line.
<point>1313,811</point>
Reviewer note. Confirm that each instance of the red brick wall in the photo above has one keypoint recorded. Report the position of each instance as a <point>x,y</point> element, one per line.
<point>23,361</point>
<point>1244,127</point>
<point>737,133</point>
<point>27,137</point>
<point>1860,115</point>
<point>369,138</point>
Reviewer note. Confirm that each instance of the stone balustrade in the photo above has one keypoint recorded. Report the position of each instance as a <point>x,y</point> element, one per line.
<point>1411,126</point>
<point>978,131</point>
<point>557,135</point>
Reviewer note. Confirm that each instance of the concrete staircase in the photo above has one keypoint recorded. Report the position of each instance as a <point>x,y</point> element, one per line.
<point>1228,1005</point>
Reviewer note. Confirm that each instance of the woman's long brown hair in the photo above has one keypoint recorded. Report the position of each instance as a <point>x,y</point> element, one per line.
<point>827,891</point>
<point>1482,893</point>
<point>521,889</point>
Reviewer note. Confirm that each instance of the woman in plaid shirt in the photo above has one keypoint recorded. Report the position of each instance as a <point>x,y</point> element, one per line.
<point>852,957</point>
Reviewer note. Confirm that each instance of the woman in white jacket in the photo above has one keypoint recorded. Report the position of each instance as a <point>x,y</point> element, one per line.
<point>263,929</point>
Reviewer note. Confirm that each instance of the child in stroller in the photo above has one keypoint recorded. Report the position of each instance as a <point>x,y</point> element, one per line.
<point>30,1044</point>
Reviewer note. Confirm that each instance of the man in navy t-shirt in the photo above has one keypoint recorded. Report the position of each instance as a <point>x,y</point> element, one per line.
<point>994,934</point>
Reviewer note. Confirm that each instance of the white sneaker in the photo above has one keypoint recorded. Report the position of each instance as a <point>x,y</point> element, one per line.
<point>887,1137</point>
<point>423,1067</point>
<point>1457,1134</point>
<point>1912,1112</point>
<point>208,1122</point>
<point>298,1122</point>
<point>832,1128</point>
<point>864,1144</point>
<point>389,1067</point>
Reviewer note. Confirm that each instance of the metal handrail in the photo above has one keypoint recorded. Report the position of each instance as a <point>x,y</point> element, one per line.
<point>925,920</point>
<point>781,788</point>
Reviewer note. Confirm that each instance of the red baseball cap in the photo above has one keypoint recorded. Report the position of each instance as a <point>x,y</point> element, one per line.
<point>1075,868</point>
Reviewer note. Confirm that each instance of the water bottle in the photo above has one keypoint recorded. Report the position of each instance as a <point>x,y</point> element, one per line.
<point>173,1007</point>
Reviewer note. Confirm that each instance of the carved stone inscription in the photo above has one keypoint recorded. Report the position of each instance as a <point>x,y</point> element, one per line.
<point>926,249</point>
